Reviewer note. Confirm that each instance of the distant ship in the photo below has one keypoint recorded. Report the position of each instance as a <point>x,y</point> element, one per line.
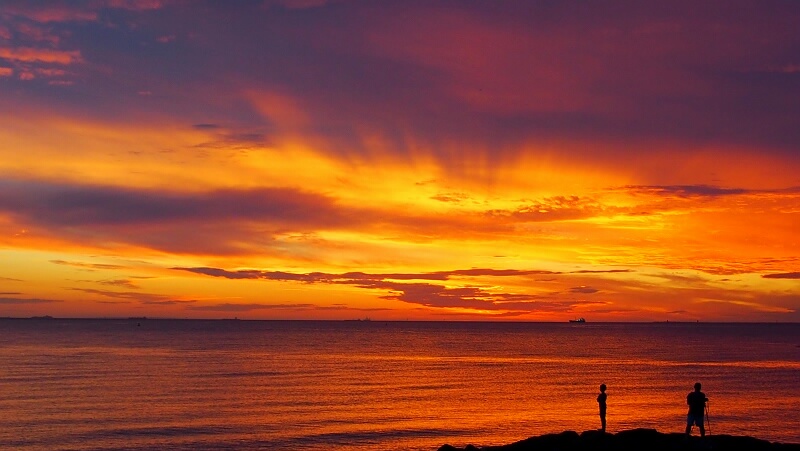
<point>579,320</point>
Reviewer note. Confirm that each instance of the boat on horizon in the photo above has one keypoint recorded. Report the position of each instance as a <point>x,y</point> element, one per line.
<point>578,320</point>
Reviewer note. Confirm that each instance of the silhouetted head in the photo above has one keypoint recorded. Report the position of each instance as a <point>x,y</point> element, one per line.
<point>602,387</point>
<point>697,386</point>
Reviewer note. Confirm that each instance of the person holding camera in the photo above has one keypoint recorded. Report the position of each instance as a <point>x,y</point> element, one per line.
<point>697,402</point>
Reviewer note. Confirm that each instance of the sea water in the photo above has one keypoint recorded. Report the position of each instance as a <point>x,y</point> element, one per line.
<point>372,385</point>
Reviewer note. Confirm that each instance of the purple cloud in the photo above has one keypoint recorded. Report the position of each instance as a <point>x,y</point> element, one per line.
<point>786,275</point>
<point>355,66</point>
<point>74,205</point>
<point>687,190</point>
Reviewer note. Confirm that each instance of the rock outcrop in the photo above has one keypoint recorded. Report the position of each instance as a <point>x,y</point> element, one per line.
<point>633,440</point>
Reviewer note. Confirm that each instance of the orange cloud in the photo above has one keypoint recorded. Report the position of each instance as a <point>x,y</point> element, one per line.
<point>36,55</point>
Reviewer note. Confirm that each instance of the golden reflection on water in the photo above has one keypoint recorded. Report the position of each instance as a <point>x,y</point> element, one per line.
<point>291,386</point>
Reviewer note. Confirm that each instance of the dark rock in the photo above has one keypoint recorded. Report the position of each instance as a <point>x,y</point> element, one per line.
<point>634,440</point>
<point>447,447</point>
<point>564,440</point>
<point>597,440</point>
<point>649,439</point>
<point>748,443</point>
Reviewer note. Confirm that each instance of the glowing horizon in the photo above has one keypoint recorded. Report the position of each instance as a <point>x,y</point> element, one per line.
<point>410,160</point>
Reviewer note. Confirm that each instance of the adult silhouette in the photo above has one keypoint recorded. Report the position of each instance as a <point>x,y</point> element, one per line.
<point>601,401</point>
<point>697,404</point>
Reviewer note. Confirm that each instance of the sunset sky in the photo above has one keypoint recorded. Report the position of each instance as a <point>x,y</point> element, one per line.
<point>423,160</point>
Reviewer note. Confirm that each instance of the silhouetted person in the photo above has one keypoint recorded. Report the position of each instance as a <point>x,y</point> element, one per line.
<point>697,404</point>
<point>601,401</point>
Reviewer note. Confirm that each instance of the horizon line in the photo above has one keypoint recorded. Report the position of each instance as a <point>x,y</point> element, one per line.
<point>357,320</point>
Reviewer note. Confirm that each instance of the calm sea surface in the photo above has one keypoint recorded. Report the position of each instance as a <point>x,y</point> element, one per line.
<point>350,385</point>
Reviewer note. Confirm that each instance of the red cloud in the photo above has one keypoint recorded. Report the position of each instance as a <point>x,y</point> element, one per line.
<point>37,34</point>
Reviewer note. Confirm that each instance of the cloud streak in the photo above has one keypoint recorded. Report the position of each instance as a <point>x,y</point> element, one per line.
<point>361,276</point>
<point>786,275</point>
<point>412,288</point>
<point>25,301</point>
<point>137,296</point>
<point>232,307</point>
<point>90,266</point>
<point>688,191</point>
<point>78,205</point>
<point>32,55</point>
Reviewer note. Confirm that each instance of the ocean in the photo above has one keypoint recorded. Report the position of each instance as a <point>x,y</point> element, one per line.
<point>140,384</point>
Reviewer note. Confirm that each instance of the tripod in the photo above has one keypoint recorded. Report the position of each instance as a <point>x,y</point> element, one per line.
<point>708,420</point>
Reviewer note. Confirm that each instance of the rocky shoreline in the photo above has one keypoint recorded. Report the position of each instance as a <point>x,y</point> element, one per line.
<point>633,440</point>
